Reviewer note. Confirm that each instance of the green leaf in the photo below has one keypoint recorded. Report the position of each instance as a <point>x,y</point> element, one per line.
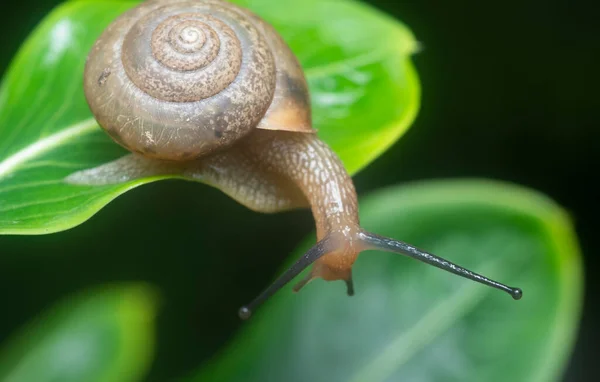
<point>353,62</point>
<point>412,322</point>
<point>106,334</point>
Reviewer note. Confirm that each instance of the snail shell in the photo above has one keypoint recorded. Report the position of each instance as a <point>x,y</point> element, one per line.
<point>178,80</point>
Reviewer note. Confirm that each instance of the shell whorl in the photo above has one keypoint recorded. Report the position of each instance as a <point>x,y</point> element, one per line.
<point>180,79</point>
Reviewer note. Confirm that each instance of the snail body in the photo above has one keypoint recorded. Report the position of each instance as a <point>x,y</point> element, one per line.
<point>207,89</point>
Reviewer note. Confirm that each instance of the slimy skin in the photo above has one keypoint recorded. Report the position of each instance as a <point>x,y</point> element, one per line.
<point>269,171</point>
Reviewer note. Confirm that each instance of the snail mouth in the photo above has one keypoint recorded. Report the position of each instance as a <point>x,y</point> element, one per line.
<point>321,269</point>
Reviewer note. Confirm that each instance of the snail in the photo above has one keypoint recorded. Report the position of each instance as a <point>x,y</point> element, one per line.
<point>208,90</point>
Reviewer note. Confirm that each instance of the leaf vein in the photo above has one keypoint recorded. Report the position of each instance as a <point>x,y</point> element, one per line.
<point>346,65</point>
<point>435,322</point>
<point>48,201</point>
<point>8,165</point>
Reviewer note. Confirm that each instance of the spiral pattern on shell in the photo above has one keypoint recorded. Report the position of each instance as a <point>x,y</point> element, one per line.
<point>179,79</point>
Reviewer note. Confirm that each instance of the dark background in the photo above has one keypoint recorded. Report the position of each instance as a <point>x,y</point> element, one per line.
<point>510,92</point>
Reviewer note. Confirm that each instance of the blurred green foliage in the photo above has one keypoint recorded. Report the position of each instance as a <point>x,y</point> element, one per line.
<point>103,334</point>
<point>420,323</point>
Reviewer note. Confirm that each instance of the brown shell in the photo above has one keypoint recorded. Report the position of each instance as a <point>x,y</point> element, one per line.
<point>290,109</point>
<point>179,79</point>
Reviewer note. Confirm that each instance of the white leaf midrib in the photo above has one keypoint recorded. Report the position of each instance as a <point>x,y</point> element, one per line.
<point>42,146</point>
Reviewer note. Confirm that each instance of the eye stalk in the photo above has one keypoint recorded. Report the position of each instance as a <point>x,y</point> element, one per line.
<point>366,241</point>
<point>376,242</point>
<point>312,255</point>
